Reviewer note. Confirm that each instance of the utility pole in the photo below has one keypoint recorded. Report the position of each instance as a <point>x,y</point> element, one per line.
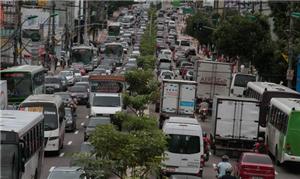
<point>290,71</point>
<point>18,29</point>
<point>85,35</point>
<point>53,39</point>
<point>20,32</point>
<point>79,22</point>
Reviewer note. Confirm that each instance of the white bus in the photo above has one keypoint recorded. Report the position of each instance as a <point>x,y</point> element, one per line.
<point>54,118</point>
<point>264,92</point>
<point>283,131</point>
<point>23,81</point>
<point>22,144</point>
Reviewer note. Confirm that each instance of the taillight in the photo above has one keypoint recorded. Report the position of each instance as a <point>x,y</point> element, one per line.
<point>288,147</point>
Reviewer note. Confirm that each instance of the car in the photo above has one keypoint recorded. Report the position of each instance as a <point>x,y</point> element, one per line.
<point>73,172</point>
<point>125,47</point>
<point>136,48</point>
<point>101,71</point>
<point>80,93</point>
<point>166,74</point>
<point>82,83</point>
<point>167,53</point>
<point>189,75</point>
<point>255,165</point>
<point>86,147</point>
<point>53,84</point>
<point>159,40</point>
<point>69,75</point>
<point>70,119</point>
<point>135,53</point>
<point>93,122</point>
<point>77,74</point>
<point>65,96</point>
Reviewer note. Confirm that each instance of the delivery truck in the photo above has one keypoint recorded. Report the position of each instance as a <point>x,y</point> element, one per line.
<point>213,78</point>
<point>3,94</point>
<point>234,123</point>
<point>178,97</point>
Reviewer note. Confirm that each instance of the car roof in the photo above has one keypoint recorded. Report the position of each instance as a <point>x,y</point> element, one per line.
<point>65,169</point>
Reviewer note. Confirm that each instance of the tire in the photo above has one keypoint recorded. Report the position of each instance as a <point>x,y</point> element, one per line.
<point>36,175</point>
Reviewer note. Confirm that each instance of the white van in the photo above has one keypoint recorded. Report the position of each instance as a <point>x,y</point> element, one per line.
<point>239,83</point>
<point>185,153</point>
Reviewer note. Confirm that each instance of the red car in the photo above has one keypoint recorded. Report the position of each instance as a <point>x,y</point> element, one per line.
<point>255,166</point>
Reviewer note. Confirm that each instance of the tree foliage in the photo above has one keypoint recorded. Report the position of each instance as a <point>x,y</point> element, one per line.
<point>194,29</point>
<point>138,148</point>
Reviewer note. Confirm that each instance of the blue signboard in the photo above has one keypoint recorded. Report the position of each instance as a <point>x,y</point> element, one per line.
<point>187,103</point>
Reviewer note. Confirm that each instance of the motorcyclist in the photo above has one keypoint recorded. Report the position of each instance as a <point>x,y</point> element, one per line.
<point>203,108</point>
<point>260,146</point>
<point>228,175</point>
<point>222,166</point>
<point>73,104</point>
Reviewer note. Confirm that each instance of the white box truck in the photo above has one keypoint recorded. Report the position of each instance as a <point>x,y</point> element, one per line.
<point>3,94</point>
<point>234,123</point>
<point>178,97</point>
<point>213,78</point>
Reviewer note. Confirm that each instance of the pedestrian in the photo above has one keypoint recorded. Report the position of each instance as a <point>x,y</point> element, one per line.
<point>223,166</point>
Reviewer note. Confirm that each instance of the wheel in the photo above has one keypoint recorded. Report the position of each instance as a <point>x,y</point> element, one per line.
<point>35,174</point>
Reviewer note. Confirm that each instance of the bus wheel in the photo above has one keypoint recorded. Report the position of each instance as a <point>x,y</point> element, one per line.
<point>277,162</point>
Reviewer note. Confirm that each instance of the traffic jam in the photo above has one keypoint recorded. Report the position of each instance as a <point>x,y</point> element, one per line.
<point>220,122</point>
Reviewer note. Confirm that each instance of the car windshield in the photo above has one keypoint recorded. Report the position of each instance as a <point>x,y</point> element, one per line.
<point>167,73</point>
<point>165,65</point>
<point>9,161</point>
<point>98,121</point>
<point>67,175</point>
<point>185,43</point>
<point>66,73</point>
<point>106,101</point>
<point>85,79</point>
<point>183,144</point>
<point>77,89</point>
<point>258,159</point>
<point>68,112</point>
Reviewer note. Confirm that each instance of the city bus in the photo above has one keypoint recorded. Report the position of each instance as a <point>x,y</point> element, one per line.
<point>86,55</point>
<point>52,107</point>
<point>114,51</point>
<point>264,92</point>
<point>114,29</point>
<point>22,144</point>
<point>23,81</point>
<point>283,131</point>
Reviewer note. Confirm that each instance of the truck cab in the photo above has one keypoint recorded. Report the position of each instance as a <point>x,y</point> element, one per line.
<point>106,104</point>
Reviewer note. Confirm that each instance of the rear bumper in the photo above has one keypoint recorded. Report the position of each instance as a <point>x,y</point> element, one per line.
<point>165,172</point>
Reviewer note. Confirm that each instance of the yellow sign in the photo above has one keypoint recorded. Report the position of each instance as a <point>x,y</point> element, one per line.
<point>42,3</point>
<point>285,57</point>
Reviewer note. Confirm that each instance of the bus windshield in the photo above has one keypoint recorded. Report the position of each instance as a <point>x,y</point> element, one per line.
<point>9,161</point>
<point>19,84</point>
<point>113,49</point>
<point>106,101</point>
<point>242,80</point>
<point>114,30</point>
<point>49,110</point>
<point>82,56</point>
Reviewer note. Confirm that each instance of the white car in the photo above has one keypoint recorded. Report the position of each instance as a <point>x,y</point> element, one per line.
<point>135,53</point>
<point>167,53</point>
<point>69,76</point>
<point>166,74</point>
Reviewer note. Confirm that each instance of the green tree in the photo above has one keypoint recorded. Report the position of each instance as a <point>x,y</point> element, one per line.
<point>198,26</point>
<point>138,149</point>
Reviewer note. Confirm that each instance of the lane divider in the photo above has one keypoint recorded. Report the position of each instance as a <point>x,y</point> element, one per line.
<point>61,154</point>
<point>76,132</point>
<point>70,142</point>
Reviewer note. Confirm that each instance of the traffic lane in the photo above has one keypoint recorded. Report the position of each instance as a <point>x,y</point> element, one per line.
<point>288,171</point>
<point>72,143</point>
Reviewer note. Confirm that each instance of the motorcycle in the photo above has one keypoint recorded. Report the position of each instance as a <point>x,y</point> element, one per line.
<point>203,114</point>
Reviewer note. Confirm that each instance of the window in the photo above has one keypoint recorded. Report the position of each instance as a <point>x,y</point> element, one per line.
<point>278,119</point>
<point>183,144</point>
<point>38,79</point>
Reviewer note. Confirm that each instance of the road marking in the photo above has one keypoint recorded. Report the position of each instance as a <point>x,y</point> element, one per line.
<point>76,132</point>
<point>82,124</point>
<point>70,142</point>
<point>87,117</point>
<point>51,169</point>
<point>61,154</point>
<point>209,153</point>
<point>276,173</point>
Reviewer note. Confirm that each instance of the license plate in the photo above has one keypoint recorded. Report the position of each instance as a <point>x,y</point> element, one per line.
<point>170,169</point>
